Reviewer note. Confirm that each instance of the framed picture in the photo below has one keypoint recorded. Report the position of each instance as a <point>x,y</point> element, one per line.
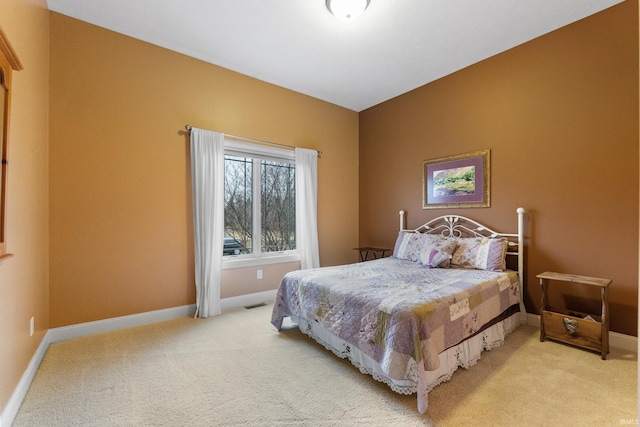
<point>461,181</point>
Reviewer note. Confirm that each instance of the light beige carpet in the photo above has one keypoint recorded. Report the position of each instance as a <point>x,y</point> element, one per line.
<point>236,370</point>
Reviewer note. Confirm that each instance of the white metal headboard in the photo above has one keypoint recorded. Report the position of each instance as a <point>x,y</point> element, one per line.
<point>460,226</point>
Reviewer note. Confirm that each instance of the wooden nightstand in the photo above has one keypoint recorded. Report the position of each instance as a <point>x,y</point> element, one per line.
<point>576,328</point>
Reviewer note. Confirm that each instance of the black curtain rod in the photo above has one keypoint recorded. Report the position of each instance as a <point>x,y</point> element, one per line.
<point>260,141</point>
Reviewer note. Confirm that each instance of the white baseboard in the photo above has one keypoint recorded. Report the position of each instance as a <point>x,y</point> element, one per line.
<point>83,329</point>
<point>13,404</point>
<point>64,333</point>
<point>616,339</point>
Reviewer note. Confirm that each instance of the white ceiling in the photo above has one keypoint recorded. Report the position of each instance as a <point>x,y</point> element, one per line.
<point>394,47</point>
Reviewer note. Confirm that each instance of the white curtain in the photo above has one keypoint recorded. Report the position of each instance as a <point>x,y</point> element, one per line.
<point>307,207</point>
<point>207,177</point>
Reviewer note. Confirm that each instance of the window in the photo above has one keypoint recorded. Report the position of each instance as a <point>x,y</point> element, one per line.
<point>259,212</point>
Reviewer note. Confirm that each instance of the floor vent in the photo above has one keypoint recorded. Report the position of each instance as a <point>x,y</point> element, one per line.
<point>249,307</point>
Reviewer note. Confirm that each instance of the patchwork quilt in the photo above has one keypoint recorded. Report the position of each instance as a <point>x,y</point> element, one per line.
<point>396,311</point>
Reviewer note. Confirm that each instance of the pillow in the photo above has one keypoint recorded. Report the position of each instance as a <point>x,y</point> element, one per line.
<point>480,253</point>
<point>401,242</point>
<point>409,245</point>
<point>434,258</point>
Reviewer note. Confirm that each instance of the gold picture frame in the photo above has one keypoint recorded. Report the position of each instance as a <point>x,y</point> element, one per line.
<point>461,181</point>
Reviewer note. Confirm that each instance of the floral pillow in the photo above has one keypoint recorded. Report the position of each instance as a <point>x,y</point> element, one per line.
<point>480,253</point>
<point>410,246</point>
<point>400,247</point>
<point>406,246</point>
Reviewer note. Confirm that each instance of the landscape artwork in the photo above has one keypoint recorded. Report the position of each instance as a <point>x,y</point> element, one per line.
<point>457,181</point>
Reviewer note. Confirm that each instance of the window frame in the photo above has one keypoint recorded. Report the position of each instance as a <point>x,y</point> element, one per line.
<point>9,62</point>
<point>259,152</point>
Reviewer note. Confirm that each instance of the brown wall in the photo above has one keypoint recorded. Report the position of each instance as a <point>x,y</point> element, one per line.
<point>560,115</point>
<point>121,229</point>
<point>24,277</point>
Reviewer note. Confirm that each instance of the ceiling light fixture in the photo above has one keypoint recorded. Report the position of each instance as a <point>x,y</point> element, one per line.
<point>347,10</point>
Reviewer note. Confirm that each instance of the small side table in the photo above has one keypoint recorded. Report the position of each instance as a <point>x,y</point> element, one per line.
<point>366,250</point>
<point>590,331</point>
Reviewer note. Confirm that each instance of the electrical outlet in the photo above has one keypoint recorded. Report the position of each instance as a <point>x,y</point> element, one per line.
<point>259,274</point>
<point>32,325</point>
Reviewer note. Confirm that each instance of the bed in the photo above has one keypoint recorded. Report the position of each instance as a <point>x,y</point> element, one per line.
<point>451,289</point>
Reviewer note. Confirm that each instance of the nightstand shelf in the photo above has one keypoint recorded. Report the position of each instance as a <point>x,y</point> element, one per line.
<point>584,330</point>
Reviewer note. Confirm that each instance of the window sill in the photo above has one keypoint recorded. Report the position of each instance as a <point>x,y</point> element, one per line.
<point>229,262</point>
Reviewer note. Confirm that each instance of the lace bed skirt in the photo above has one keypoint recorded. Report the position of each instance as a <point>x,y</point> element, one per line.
<point>465,354</point>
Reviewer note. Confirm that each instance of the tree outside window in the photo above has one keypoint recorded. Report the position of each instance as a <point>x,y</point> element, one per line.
<point>259,201</point>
